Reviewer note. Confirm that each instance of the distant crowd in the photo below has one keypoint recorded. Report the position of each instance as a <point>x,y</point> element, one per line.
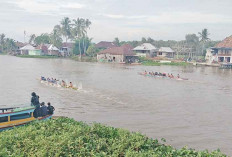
<point>41,109</point>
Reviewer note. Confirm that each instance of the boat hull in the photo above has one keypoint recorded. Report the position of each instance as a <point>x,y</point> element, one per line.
<point>21,122</point>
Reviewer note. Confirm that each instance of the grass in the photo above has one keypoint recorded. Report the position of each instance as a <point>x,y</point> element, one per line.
<point>67,137</point>
<point>37,56</point>
<point>150,62</point>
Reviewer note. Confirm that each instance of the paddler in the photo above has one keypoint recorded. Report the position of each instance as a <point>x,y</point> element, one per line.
<point>63,84</point>
<point>178,76</point>
<point>70,85</point>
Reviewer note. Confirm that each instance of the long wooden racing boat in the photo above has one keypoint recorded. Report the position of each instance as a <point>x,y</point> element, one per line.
<point>157,76</point>
<point>57,85</point>
<point>11,117</point>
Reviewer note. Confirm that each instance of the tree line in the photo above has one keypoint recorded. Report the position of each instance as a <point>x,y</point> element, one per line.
<point>193,43</point>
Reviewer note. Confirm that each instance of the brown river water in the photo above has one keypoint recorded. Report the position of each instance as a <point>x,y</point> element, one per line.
<point>196,113</point>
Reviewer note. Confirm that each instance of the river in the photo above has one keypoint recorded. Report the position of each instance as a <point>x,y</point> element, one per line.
<point>196,112</point>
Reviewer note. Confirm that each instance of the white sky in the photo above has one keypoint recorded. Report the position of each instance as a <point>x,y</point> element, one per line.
<point>125,19</point>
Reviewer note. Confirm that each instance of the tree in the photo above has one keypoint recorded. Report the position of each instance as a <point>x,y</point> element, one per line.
<point>143,40</point>
<point>79,48</point>
<point>2,41</point>
<point>10,45</point>
<point>87,26</point>
<point>78,31</point>
<point>204,36</point>
<point>91,51</point>
<point>32,39</point>
<point>55,36</point>
<point>42,39</point>
<point>150,40</point>
<point>66,28</point>
<point>116,41</point>
<point>192,41</point>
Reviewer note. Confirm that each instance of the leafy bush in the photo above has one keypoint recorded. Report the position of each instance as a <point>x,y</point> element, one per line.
<point>67,137</point>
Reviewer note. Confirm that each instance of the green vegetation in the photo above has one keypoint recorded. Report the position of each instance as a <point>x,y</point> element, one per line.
<point>67,137</point>
<point>36,56</point>
<point>150,62</point>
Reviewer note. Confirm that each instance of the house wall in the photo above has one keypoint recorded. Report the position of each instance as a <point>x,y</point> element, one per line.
<point>24,52</point>
<point>144,53</point>
<point>165,54</point>
<point>109,57</point>
<point>34,52</point>
<point>53,53</point>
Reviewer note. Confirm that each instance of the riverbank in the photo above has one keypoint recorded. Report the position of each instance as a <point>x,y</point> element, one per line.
<point>67,137</point>
<point>37,56</point>
<point>151,62</point>
<point>84,59</point>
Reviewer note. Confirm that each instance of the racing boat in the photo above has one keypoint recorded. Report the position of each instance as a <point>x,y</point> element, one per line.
<point>57,84</point>
<point>158,76</point>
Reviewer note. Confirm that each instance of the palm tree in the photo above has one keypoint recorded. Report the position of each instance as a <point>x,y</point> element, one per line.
<point>32,39</point>
<point>77,31</point>
<point>204,38</point>
<point>66,28</point>
<point>87,26</point>
<point>2,41</point>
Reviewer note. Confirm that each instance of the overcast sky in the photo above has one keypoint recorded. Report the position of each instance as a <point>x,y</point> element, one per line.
<point>125,19</point>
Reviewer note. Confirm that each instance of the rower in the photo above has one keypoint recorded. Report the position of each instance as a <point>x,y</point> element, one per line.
<point>178,76</point>
<point>70,85</point>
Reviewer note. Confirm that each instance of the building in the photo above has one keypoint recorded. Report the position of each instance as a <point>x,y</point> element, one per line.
<point>145,50</point>
<point>43,48</point>
<point>221,53</point>
<point>66,49</point>
<point>30,50</point>
<point>120,54</point>
<point>166,52</point>
<point>105,45</point>
<point>54,51</point>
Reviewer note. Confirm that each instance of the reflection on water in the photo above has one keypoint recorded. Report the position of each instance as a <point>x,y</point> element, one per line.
<point>196,112</point>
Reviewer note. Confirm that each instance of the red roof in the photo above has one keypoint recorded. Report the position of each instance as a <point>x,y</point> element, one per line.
<point>226,43</point>
<point>69,45</point>
<point>20,44</point>
<point>122,50</point>
<point>42,47</point>
<point>105,44</point>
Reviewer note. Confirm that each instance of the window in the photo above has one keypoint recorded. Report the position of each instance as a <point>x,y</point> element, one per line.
<point>20,116</point>
<point>3,119</point>
<point>160,53</point>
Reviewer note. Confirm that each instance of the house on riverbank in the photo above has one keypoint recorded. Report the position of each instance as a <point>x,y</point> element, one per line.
<point>66,49</point>
<point>53,51</point>
<point>30,50</point>
<point>120,54</point>
<point>145,50</point>
<point>165,52</point>
<point>221,53</point>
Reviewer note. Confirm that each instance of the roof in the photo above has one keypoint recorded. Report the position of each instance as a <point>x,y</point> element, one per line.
<point>27,47</point>
<point>20,44</point>
<point>105,44</point>
<point>42,47</point>
<point>145,46</point>
<point>226,43</point>
<point>53,48</point>
<point>69,45</point>
<point>122,50</point>
<point>165,49</point>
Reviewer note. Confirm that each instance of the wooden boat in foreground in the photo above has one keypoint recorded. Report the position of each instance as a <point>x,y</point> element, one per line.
<point>11,117</point>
